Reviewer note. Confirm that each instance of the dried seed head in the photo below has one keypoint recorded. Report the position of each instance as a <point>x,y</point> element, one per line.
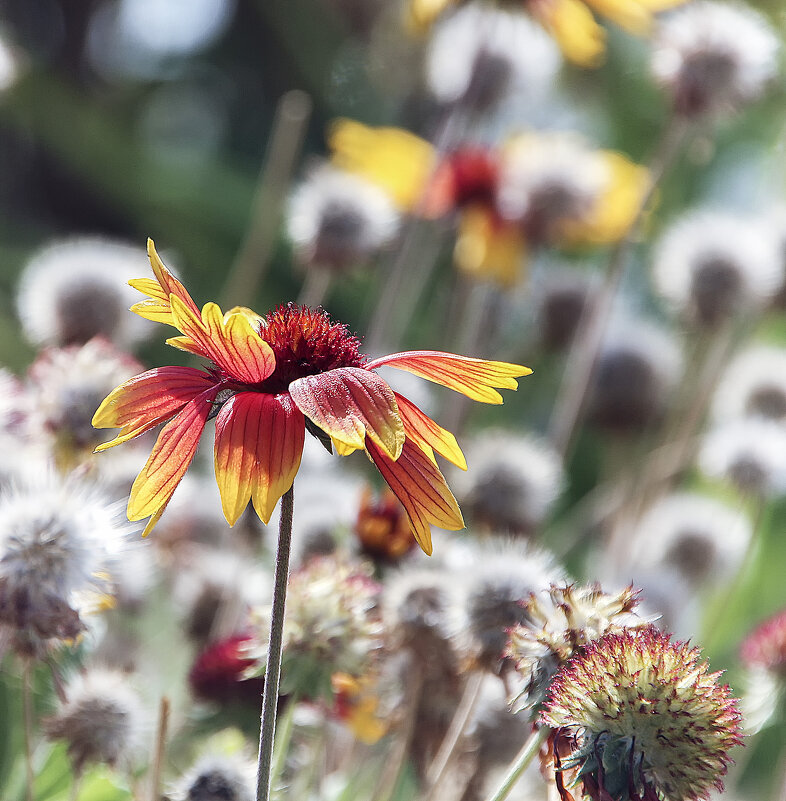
<point>701,538</point>
<point>336,220</point>
<point>754,385</point>
<point>748,453</point>
<point>644,718</point>
<point>638,367</point>
<point>513,481</point>
<point>502,53</point>
<point>714,57</point>
<point>557,625</point>
<point>713,266</point>
<point>217,778</point>
<point>58,543</point>
<point>101,722</point>
<point>76,289</point>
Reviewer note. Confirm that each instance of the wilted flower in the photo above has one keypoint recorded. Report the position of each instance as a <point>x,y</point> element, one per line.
<point>217,778</point>
<point>713,266</point>
<point>560,190</point>
<point>502,578</point>
<point>58,541</point>
<point>220,672</point>
<point>714,57</point>
<point>643,718</point>
<point>382,527</point>
<point>749,453</point>
<point>65,387</point>
<point>502,52</point>
<point>698,536</point>
<point>638,367</point>
<point>75,289</point>
<point>754,385</point>
<point>514,482</point>
<point>272,379</point>
<point>337,220</point>
<point>102,721</point>
<point>332,624</point>
<point>556,626</point>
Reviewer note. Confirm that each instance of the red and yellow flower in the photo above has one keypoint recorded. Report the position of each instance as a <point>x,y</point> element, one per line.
<point>272,378</point>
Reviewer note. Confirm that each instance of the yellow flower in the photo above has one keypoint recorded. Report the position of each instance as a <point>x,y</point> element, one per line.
<point>394,159</point>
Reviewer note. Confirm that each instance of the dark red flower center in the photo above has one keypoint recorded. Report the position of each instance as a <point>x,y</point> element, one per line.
<point>306,342</point>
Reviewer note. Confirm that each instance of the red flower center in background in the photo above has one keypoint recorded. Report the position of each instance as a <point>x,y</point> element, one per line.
<point>306,342</point>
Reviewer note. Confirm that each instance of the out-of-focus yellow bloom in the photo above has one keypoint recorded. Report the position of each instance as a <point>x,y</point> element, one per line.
<point>570,22</point>
<point>489,248</point>
<point>357,705</point>
<point>617,207</point>
<point>394,159</point>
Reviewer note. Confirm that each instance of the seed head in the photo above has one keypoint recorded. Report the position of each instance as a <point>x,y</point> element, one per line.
<point>502,53</point>
<point>644,717</point>
<point>766,645</point>
<point>714,57</point>
<point>754,385</point>
<point>58,542</point>
<point>76,289</point>
<point>217,778</point>
<point>336,220</point>
<point>750,454</point>
<point>557,626</point>
<point>102,720</point>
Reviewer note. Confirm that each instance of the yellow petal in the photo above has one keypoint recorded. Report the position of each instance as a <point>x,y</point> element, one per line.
<point>580,38</point>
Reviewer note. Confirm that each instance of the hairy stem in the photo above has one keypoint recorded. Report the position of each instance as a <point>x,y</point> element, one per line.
<point>267,729</point>
<point>521,762</point>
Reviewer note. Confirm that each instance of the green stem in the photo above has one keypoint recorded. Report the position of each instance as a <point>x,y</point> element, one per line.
<point>521,762</point>
<point>158,755</point>
<point>27,714</point>
<point>273,671</point>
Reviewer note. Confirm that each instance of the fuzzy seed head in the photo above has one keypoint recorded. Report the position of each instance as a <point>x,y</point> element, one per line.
<point>648,719</point>
<point>216,778</point>
<point>754,385</point>
<point>102,720</point>
<point>558,624</point>
<point>714,57</point>
<point>766,645</point>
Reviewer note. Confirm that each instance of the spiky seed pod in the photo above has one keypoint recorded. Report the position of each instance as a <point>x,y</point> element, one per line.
<point>713,57</point>
<point>712,266</point>
<point>638,367</point>
<point>76,289</point>
<point>513,483</point>
<point>496,588</point>
<point>559,624</point>
<point>215,778</point>
<point>503,52</point>
<point>754,385</point>
<point>102,721</point>
<point>58,543</point>
<point>336,220</point>
<point>644,719</point>
<point>750,454</point>
<point>699,537</point>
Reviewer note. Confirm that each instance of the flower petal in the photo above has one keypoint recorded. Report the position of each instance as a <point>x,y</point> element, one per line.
<point>170,458</point>
<point>157,307</point>
<point>259,442</point>
<point>349,403</point>
<point>428,435</point>
<point>421,488</point>
<point>475,378</point>
<point>148,399</point>
<point>229,340</point>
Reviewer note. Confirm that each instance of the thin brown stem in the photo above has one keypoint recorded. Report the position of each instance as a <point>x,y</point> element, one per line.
<point>582,359</point>
<point>250,266</point>
<point>27,716</point>
<point>160,749</point>
<point>316,286</point>
<point>449,749</point>
<point>267,730</point>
